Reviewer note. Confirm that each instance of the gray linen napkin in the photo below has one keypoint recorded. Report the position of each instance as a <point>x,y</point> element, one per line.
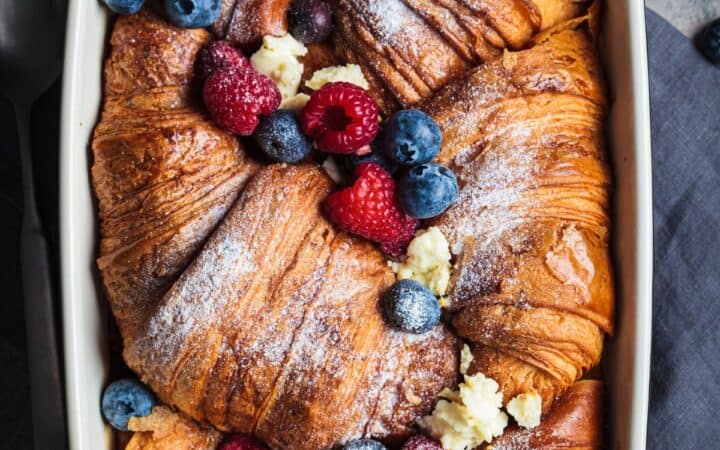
<point>685,108</point>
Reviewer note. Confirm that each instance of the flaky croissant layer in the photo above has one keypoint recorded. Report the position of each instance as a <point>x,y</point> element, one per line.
<point>533,286</point>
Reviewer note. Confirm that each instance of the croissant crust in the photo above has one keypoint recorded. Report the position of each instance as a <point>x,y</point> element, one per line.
<point>533,283</point>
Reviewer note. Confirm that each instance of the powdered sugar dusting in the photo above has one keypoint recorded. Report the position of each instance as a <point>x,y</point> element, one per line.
<point>284,314</point>
<point>493,180</point>
<point>388,16</point>
<point>497,175</point>
<point>514,441</point>
<point>197,290</point>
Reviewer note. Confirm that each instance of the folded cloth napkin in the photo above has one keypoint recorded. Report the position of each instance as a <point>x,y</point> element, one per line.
<point>685,108</point>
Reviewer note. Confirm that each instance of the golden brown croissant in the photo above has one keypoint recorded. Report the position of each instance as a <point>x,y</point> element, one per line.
<point>168,430</point>
<point>275,328</point>
<point>574,422</point>
<point>164,176</point>
<point>410,48</point>
<point>245,22</point>
<point>533,285</point>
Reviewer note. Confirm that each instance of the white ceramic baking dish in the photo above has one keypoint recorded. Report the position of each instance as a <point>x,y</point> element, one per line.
<point>627,360</point>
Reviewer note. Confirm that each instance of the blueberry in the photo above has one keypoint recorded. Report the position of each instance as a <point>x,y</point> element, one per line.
<point>364,444</point>
<point>410,137</point>
<point>709,41</point>
<point>348,163</point>
<point>411,307</point>
<point>193,13</point>
<point>310,21</point>
<point>427,190</point>
<point>280,137</point>
<point>124,399</point>
<point>125,6</point>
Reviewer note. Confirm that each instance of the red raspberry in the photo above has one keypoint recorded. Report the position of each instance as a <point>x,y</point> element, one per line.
<point>341,117</point>
<point>421,442</point>
<point>369,208</point>
<point>219,55</point>
<point>236,97</point>
<point>241,442</point>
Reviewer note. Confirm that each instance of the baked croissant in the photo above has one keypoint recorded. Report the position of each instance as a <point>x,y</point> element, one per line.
<point>163,174</point>
<point>410,48</point>
<point>574,422</point>
<point>274,328</point>
<point>245,22</point>
<point>533,285</point>
<point>165,429</point>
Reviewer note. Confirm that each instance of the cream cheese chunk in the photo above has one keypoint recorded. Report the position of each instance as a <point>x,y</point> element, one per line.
<point>350,73</point>
<point>428,261</point>
<point>466,358</point>
<point>469,417</point>
<point>296,103</point>
<point>526,409</point>
<point>278,59</point>
<point>331,168</point>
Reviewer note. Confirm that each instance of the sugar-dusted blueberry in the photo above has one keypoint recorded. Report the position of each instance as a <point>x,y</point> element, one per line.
<point>364,444</point>
<point>126,398</point>
<point>411,307</point>
<point>310,21</point>
<point>410,137</point>
<point>280,137</point>
<point>709,41</point>
<point>193,13</point>
<point>427,190</point>
<point>125,7</point>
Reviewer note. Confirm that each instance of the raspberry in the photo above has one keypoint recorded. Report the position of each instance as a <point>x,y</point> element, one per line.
<point>236,97</point>
<point>341,117</point>
<point>420,442</point>
<point>219,55</point>
<point>241,442</point>
<point>369,208</point>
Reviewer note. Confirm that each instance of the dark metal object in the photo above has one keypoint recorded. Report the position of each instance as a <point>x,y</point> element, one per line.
<point>31,41</point>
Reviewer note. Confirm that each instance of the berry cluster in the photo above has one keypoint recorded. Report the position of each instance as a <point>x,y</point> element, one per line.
<point>375,206</point>
<point>342,119</point>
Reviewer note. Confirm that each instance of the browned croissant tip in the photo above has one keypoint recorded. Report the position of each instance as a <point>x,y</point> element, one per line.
<point>575,421</point>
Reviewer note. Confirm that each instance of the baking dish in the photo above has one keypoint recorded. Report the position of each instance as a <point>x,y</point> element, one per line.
<point>626,363</point>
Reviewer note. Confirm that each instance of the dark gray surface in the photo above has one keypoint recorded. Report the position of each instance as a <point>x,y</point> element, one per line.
<point>685,108</point>
<point>15,419</point>
<point>685,391</point>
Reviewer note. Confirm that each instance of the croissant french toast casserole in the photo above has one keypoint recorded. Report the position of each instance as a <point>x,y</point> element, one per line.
<point>355,224</point>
